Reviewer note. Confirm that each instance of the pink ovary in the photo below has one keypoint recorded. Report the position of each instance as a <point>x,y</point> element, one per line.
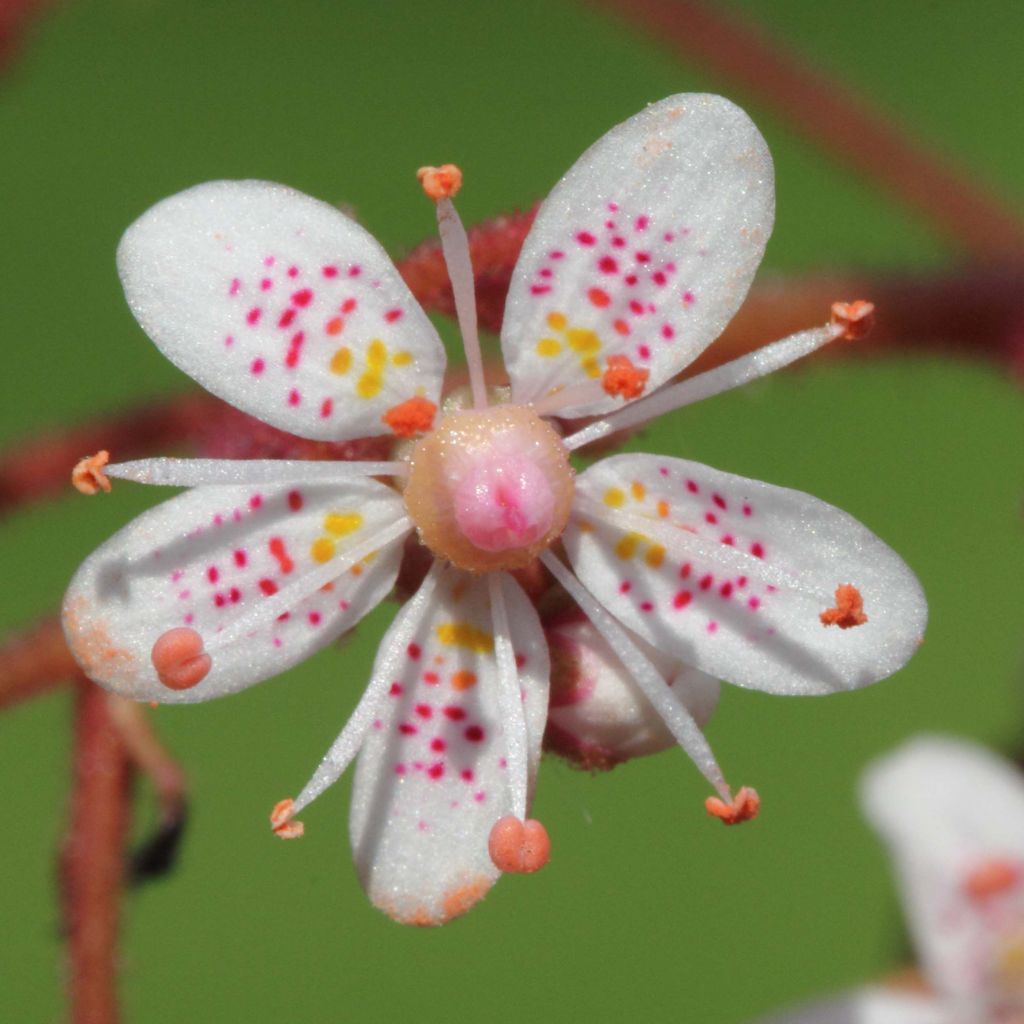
<point>504,501</point>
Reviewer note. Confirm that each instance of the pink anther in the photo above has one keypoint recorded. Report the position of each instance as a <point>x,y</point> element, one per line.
<point>88,476</point>
<point>441,182</point>
<point>282,823</point>
<point>856,318</point>
<point>179,658</point>
<point>744,806</point>
<point>519,847</point>
<point>504,501</point>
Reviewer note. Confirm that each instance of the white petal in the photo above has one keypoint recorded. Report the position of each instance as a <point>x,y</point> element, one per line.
<point>646,248</point>
<point>431,780</point>
<point>212,555</point>
<point>708,582</point>
<point>281,305</point>
<point>598,716</point>
<point>870,1006</point>
<point>952,815</point>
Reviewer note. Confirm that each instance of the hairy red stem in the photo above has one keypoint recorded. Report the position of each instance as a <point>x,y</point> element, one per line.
<point>746,57</point>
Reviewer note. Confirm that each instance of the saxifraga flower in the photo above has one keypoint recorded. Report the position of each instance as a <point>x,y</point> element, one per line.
<point>286,308</point>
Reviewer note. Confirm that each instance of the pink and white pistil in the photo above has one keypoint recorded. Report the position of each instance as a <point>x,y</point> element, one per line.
<point>288,309</point>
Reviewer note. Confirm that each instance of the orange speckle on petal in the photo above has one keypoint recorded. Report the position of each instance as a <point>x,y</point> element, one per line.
<point>282,823</point>
<point>849,609</point>
<point>623,378</point>
<point>88,476</point>
<point>992,878</point>
<point>441,182</point>
<point>519,847</point>
<point>334,325</point>
<point>856,318</point>
<point>179,658</point>
<point>463,679</point>
<point>599,297</point>
<point>413,416</point>
<point>457,901</point>
<point>745,806</point>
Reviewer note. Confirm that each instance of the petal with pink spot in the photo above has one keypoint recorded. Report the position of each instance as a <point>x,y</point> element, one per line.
<point>281,305</point>
<point>645,249</point>
<point>431,779</point>
<point>213,555</point>
<point>731,575</point>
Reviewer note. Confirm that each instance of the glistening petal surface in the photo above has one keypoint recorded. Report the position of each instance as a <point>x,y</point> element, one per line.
<point>695,586</point>
<point>952,815</point>
<point>281,305</point>
<point>214,554</point>
<point>645,249</point>
<point>431,779</point>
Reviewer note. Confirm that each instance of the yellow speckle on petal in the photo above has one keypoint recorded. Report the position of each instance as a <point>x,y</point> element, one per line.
<point>655,556</point>
<point>341,361</point>
<point>401,358</point>
<point>548,347</point>
<point>556,321</point>
<point>465,634</point>
<point>614,498</point>
<point>322,549</point>
<point>342,523</point>
<point>626,548</point>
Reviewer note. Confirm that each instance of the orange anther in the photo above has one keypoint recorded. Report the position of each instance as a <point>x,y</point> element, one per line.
<point>992,878</point>
<point>88,476</point>
<point>179,659</point>
<point>413,416</point>
<point>849,609</point>
<point>441,182</point>
<point>856,318</point>
<point>745,806</point>
<point>623,378</point>
<point>282,823</point>
<point>519,847</point>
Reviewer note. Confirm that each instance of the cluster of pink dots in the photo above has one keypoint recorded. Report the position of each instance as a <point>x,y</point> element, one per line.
<point>630,271</point>
<point>306,310</point>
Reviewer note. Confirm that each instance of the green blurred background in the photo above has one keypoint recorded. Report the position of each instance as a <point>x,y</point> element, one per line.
<point>649,911</point>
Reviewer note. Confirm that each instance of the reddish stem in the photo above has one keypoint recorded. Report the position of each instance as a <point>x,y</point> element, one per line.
<point>92,859</point>
<point>744,56</point>
<point>34,661</point>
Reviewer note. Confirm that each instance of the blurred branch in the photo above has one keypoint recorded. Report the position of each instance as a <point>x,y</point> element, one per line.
<point>34,661</point>
<point>833,118</point>
<point>14,17</point>
<point>92,858</point>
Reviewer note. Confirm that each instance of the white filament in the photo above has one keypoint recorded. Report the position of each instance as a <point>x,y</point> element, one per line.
<point>723,378</point>
<point>510,700</point>
<point>663,698</point>
<point>388,666</point>
<point>455,246</point>
<point>214,472</point>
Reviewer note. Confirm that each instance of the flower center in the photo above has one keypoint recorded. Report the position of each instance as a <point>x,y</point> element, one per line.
<point>490,488</point>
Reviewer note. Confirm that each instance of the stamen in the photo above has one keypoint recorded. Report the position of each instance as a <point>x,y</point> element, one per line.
<point>510,700</point>
<point>663,697</point>
<point>744,806</point>
<point>440,183</point>
<point>519,847</point>
<point>195,472</point>
<point>411,417</point>
<point>856,318</point>
<point>849,609</point>
<point>388,667</point>
<point>684,544</point>
<point>623,378</point>
<point>179,658</point>
<point>88,476</point>
<point>667,399</point>
<point>288,597</point>
<point>282,821</point>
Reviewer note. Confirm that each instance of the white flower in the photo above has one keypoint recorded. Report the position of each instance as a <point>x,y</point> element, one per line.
<point>952,816</point>
<point>285,307</point>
